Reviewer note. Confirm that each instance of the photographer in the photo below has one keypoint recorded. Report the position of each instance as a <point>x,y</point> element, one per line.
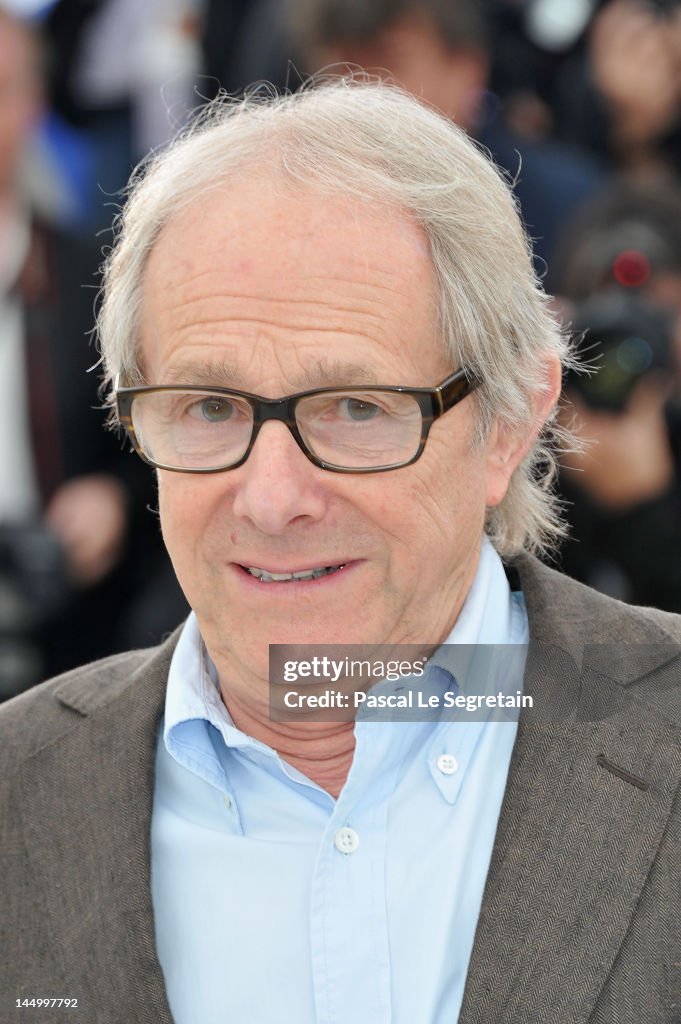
<point>620,282</point>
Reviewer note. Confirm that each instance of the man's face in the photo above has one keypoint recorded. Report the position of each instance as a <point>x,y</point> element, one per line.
<point>268,291</point>
<point>413,52</point>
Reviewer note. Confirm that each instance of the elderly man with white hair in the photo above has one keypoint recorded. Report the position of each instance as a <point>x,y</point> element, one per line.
<point>321,326</point>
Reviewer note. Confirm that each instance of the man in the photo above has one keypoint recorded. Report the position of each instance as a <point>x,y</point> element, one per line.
<point>59,472</point>
<point>322,326</point>
<point>620,276</point>
<point>442,52</point>
<point>76,545</point>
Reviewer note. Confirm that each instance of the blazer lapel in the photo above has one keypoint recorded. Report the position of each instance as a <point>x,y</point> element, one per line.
<point>93,863</point>
<point>586,802</point>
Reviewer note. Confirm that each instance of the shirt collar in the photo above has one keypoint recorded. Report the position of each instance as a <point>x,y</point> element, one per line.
<point>486,616</point>
<point>193,691</point>
<point>491,616</point>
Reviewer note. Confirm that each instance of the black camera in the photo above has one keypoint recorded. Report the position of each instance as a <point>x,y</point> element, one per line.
<point>622,338</point>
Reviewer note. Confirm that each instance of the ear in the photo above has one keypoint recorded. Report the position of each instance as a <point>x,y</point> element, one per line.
<point>507,446</point>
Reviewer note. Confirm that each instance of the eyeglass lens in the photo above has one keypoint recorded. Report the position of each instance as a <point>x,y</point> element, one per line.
<point>348,429</point>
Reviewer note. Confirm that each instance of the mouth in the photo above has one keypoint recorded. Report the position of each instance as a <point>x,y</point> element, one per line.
<point>302,575</point>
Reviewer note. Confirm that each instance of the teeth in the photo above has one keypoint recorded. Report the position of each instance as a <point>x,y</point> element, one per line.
<point>286,577</point>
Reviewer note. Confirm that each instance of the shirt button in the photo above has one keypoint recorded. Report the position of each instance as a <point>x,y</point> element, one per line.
<point>447,764</point>
<point>346,840</point>
<point>228,802</point>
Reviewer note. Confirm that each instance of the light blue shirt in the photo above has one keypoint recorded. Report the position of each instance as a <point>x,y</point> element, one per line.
<point>275,903</point>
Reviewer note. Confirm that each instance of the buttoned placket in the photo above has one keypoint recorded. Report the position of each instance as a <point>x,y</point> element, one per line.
<point>347,899</point>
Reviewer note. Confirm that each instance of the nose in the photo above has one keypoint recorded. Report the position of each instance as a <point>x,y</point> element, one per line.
<point>278,485</point>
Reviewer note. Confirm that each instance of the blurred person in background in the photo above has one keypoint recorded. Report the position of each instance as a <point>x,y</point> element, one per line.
<point>243,41</point>
<point>442,53</point>
<point>64,483</point>
<point>124,73</point>
<point>619,279</point>
<point>621,97</point>
<point>534,41</point>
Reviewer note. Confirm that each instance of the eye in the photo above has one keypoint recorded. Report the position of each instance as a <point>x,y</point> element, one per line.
<point>359,410</point>
<point>212,410</point>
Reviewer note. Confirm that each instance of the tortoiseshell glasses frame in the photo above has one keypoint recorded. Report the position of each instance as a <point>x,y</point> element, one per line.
<point>432,402</point>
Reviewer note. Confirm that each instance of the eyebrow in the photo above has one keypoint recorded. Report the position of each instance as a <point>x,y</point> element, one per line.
<point>218,374</point>
<point>223,374</point>
<point>327,373</point>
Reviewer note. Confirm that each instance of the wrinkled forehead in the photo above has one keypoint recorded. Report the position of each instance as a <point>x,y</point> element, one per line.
<point>268,261</point>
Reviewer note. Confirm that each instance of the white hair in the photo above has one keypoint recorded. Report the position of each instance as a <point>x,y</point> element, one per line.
<point>373,141</point>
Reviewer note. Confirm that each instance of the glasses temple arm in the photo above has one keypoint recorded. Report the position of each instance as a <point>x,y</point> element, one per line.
<point>458,388</point>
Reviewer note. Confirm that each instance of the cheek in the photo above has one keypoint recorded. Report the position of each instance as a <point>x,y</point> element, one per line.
<point>445,510</point>
<point>172,502</point>
<point>186,505</point>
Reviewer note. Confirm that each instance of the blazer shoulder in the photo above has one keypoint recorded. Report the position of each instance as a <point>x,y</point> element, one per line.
<point>45,713</point>
<point>637,649</point>
<point>559,605</point>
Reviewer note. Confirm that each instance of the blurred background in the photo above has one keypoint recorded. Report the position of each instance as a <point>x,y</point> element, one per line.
<point>578,101</point>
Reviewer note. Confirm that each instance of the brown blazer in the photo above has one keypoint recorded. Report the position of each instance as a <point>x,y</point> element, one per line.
<point>581,916</point>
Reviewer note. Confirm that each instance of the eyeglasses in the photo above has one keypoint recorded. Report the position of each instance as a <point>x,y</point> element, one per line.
<point>369,429</point>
